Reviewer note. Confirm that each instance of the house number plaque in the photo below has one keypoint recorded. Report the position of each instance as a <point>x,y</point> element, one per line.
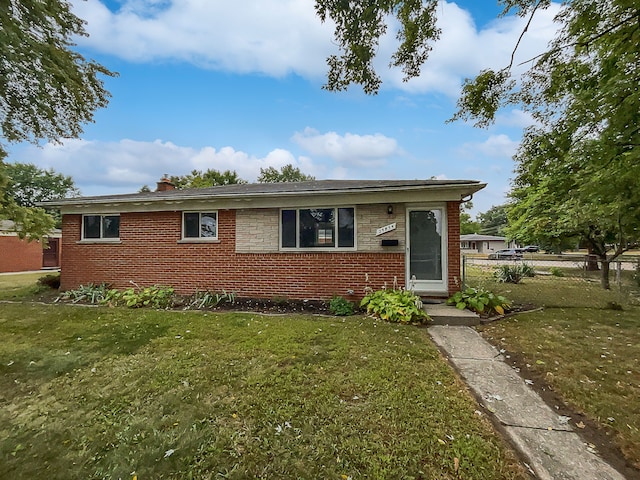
<point>386,228</point>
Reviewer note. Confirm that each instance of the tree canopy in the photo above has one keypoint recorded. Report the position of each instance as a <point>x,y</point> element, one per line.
<point>208,178</point>
<point>288,173</point>
<point>29,184</point>
<point>467,224</point>
<point>494,220</point>
<point>47,89</point>
<point>577,167</point>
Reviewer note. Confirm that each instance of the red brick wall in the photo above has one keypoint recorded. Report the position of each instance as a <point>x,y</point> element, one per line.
<point>19,255</point>
<point>453,217</point>
<point>149,254</point>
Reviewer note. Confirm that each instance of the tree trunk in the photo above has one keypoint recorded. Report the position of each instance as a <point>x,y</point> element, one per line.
<point>604,274</point>
<point>591,263</point>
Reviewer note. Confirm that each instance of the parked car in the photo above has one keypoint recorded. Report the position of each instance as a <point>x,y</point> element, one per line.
<point>508,254</point>
<point>531,248</point>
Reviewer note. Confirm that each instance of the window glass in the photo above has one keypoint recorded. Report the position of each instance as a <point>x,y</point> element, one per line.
<point>208,225</point>
<point>318,228</point>
<point>111,226</point>
<point>191,225</point>
<point>200,225</point>
<point>289,228</point>
<point>100,226</point>
<point>91,226</point>
<point>346,229</point>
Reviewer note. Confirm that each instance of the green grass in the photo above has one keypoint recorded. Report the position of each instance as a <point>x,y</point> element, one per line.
<point>96,392</point>
<point>17,286</point>
<point>584,348</point>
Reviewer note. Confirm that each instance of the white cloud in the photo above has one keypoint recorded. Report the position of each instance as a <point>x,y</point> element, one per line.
<point>496,146</point>
<point>277,37</point>
<point>124,166</point>
<point>348,149</point>
<point>514,118</point>
<point>274,37</point>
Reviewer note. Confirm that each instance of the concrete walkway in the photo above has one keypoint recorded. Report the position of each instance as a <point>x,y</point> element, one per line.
<point>550,446</point>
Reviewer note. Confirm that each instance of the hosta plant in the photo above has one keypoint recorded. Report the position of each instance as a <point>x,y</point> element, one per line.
<point>480,301</point>
<point>396,306</point>
<point>155,296</point>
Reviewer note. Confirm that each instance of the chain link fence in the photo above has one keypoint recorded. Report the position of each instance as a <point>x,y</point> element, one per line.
<point>623,271</point>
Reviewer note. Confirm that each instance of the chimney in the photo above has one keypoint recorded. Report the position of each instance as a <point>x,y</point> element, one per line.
<point>165,184</point>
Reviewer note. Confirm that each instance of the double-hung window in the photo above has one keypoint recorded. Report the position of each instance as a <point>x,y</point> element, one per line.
<point>200,225</point>
<point>317,228</point>
<point>100,227</point>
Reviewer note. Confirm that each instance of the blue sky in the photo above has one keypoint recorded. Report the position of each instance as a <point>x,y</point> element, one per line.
<point>237,85</point>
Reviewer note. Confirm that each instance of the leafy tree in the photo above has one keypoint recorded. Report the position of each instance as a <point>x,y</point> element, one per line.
<point>494,220</point>
<point>209,178</point>
<point>358,28</point>
<point>467,225</point>
<point>47,90</point>
<point>31,223</point>
<point>29,184</point>
<point>288,173</point>
<point>578,166</point>
<point>578,169</point>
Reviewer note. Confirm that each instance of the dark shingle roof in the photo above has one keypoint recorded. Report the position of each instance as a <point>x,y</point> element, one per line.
<point>273,189</point>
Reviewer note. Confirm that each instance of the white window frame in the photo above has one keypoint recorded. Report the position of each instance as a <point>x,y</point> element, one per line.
<point>101,238</point>
<point>298,248</point>
<point>199,238</point>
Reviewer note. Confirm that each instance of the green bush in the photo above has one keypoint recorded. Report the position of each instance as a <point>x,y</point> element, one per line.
<point>397,306</point>
<point>89,293</point>
<point>155,296</point>
<point>513,273</point>
<point>479,300</point>
<point>556,272</point>
<point>340,306</point>
<point>52,281</point>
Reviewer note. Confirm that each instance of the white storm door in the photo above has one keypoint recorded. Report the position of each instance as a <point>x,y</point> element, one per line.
<point>426,259</point>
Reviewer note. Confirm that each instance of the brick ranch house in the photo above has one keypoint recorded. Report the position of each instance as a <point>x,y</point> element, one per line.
<point>303,240</point>
<point>20,255</point>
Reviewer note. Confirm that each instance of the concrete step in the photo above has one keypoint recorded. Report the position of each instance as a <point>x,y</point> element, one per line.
<point>442,314</point>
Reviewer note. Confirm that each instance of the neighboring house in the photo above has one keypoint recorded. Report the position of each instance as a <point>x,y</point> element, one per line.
<point>302,240</point>
<point>475,243</point>
<point>19,255</point>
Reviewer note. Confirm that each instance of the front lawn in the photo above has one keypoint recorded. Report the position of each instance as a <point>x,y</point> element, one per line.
<point>585,345</point>
<point>97,392</point>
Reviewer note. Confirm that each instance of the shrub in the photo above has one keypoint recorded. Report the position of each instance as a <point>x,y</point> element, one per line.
<point>397,306</point>
<point>556,272</point>
<point>52,281</point>
<point>340,306</point>
<point>89,293</point>
<point>154,297</point>
<point>636,274</point>
<point>479,300</point>
<point>513,273</point>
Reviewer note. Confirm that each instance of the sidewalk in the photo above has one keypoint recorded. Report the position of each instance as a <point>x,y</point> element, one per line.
<point>550,446</point>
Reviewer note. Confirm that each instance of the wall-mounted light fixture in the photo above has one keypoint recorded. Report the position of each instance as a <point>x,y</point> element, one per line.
<point>390,209</point>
